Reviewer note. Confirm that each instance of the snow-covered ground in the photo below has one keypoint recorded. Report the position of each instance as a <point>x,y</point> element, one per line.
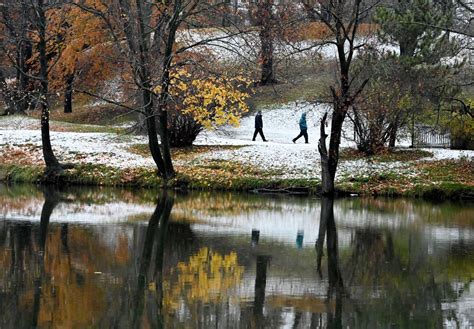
<point>230,47</point>
<point>100,148</point>
<point>279,154</point>
<point>226,47</point>
<point>300,160</point>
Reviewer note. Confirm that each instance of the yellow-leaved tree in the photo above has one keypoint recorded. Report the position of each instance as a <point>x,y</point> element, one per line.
<point>205,101</point>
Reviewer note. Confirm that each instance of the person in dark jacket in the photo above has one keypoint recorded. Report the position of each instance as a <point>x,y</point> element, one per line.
<point>258,126</point>
<point>303,129</point>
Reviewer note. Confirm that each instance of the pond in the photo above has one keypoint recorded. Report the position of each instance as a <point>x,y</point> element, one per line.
<point>96,257</point>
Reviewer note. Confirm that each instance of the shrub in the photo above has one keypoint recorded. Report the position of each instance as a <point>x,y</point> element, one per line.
<point>183,129</point>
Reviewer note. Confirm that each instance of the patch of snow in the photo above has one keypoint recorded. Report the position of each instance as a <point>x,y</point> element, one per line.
<point>299,160</point>
<point>16,122</point>
<point>445,154</point>
<point>279,154</point>
<point>98,148</point>
<point>227,48</point>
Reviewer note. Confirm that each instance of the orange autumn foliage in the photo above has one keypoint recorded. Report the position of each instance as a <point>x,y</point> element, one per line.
<point>319,31</point>
<point>83,50</point>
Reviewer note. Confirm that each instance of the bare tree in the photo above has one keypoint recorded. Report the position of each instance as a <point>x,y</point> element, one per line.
<point>342,18</point>
<point>275,21</point>
<point>267,22</point>
<point>145,35</point>
<point>17,48</point>
<point>31,49</point>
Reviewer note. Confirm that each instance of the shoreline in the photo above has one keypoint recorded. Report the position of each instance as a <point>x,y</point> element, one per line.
<point>225,160</point>
<point>146,178</point>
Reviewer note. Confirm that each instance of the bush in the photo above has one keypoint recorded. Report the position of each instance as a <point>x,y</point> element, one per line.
<point>462,132</point>
<point>183,129</point>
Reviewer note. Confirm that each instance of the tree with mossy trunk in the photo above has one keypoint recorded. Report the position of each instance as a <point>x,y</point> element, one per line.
<point>346,17</point>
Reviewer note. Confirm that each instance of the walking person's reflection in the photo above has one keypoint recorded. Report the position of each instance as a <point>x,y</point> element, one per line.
<point>260,285</point>
<point>255,237</point>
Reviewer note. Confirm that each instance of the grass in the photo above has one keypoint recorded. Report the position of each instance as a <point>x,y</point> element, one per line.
<point>98,115</point>
<point>183,153</point>
<point>83,128</point>
<point>213,175</point>
<point>438,180</point>
<point>448,171</point>
<point>298,82</point>
<point>33,122</point>
<point>349,154</point>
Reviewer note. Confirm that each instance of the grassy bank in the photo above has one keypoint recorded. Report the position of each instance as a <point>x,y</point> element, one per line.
<point>439,180</point>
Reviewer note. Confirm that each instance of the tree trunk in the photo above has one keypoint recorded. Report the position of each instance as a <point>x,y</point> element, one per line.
<point>50,160</point>
<point>162,157</point>
<point>412,130</point>
<point>268,76</point>
<point>330,159</point>
<point>342,101</point>
<point>68,93</point>
<point>24,53</point>
<point>153,144</point>
<point>163,105</point>
<point>392,136</point>
<point>266,39</point>
<point>6,95</point>
<point>327,183</point>
<point>165,144</point>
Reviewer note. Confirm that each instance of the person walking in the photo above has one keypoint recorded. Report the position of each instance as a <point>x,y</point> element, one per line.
<point>258,126</point>
<point>303,129</point>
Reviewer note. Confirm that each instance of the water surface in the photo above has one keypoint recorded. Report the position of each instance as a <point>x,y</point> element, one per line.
<point>102,258</point>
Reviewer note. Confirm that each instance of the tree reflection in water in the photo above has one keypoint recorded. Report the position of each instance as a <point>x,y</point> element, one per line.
<point>155,235</point>
<point>153,271</point>
<point>51,200</point>
<point>327,226</point>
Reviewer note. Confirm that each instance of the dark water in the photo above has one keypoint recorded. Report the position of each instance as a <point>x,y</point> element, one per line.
<point>104,258</point>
